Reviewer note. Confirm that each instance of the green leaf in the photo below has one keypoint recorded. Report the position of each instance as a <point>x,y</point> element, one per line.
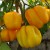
<point>44,28</point>
<point>48,24</point>
<point>2,5</point>
<point>35,2</point>
<point>4,46</point>
<point>31,3</point>
<point>0,42</point>
<point>1,14</point>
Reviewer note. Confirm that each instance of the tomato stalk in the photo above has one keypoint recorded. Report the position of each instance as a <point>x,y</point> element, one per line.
<point>17,2</point>
<point>22,8</point>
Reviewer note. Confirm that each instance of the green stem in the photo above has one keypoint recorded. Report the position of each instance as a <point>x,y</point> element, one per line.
<point>17,4</point>
<point>23,13</point>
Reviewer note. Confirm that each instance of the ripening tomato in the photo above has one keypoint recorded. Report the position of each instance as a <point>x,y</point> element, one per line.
<point>12,20</point>
<point>8,35</point>
<point>37,16</point>
<point>29,36</point>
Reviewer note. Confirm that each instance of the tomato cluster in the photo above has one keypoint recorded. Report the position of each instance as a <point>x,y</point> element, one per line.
<point>27,36</point>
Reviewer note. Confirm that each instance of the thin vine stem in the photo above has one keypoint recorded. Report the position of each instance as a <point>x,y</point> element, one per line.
<point>17,2</point>
<point>48,4</point>
<point>23,13</point>
<point>26,4</point>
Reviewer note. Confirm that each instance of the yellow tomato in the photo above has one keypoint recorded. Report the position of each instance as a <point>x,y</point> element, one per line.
<point>29,36</point>
<point>12,20</point>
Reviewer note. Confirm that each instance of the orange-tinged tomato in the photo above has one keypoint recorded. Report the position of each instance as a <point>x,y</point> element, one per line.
<point>37,16</point>
<point>48,10</point>
<point>12,20</point>
<point>8,35</point>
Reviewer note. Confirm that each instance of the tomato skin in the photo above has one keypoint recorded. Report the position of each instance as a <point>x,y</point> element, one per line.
<point>8,35</point>
<point>48,10</point>
<point>12,20</point>
<point>29,36</point>
<point>37,16</point>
